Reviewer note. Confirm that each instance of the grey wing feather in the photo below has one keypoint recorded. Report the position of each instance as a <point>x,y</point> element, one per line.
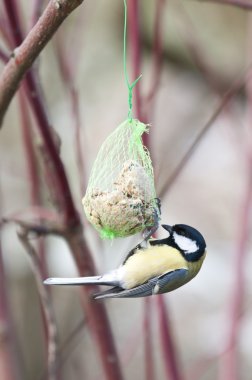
<point>156,285</point>
<point>170,281</point>
<point>117,292</point>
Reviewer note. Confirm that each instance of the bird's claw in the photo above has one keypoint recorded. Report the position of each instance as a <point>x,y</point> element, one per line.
<point>149,231</point>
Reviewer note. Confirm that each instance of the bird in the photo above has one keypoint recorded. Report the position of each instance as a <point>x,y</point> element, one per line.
<point>154,266</point>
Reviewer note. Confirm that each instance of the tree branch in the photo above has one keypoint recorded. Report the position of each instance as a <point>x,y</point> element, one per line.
<point>172,368</point>
<point>8,362</point>
<point>24,56</point>
<point>234,89</point>
<point>97,317</point>
<point>46,303</point>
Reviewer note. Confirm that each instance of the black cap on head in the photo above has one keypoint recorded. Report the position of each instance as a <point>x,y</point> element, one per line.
<point>187,240</point>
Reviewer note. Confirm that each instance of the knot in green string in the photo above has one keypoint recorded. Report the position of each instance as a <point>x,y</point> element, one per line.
<point>132,85</point>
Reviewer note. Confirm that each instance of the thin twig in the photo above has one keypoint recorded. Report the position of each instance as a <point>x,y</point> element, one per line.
<point>148,341</point>
<point>14,20</point>
<point>8,362</point>
<point>65,349</point>
<point>45,298</point>
<point>191,37</point>
<point>24,56</point>
<point>136,64</point>
<point>170,360</point>
<point>34,183</point>
<point>135,48</point>
<point>32,168</point>
<point>234,89</point>
<point>67,71</point>
<point>230,361</point>
<point>157,56</point>
<point>62,192</point>
<point>97,318</point>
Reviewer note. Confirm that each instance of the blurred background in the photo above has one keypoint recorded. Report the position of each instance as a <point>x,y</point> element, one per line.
<point>191,53</point>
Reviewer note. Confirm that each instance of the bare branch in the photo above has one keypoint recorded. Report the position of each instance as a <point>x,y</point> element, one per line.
<point>25,54</point>
<point>67,71</point>
<point>148,341</point>
<point>97,318</point>
<point>157,55</point>
<point>66,349</point>
<point>230,361</point>
<point>8,363</point>
<point>173,371</point>
<point>46,303</point>
<point>235,87</point>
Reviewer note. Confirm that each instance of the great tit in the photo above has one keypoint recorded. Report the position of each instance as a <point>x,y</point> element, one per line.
<point>153,267</point>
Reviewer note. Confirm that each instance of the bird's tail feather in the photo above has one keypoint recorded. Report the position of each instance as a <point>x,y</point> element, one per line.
<point>94,280</point>
<point>110,293</point>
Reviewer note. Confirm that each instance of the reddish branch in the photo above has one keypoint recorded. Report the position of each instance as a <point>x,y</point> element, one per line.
<point>234,89</point>
<point>52,17</point>
<point>50,20</point>
<point>166,337</point>
<point>29,49</point>
<point>168,351</point>
<point>8,368</point>
<point>230,359</point>
<point>67,72</point>
<point>32,167</point>
<point>62,189</point>
<point>148,341</point>
<point>157,57</point>
<point>46,303</point>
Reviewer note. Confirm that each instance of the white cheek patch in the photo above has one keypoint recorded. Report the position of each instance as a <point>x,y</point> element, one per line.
<point>185,244</point>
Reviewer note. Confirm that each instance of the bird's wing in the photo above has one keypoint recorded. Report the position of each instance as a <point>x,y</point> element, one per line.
<point>156,285</point>
<point>141,245</point>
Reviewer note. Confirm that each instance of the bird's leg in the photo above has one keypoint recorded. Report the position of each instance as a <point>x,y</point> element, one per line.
<point>151,230</point>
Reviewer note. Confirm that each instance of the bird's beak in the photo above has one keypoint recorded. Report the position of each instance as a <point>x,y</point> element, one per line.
<point>167,228</point>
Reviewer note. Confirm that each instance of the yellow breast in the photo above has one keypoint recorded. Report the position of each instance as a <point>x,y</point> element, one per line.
<point>151,262</point>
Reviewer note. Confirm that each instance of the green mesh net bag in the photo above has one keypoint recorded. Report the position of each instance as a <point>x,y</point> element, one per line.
<point>120,199</point>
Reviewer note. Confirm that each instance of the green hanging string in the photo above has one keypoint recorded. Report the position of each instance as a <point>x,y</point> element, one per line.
<point>132,85</point>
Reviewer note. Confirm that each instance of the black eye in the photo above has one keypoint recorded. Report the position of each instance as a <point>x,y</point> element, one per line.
<point>181,232</point>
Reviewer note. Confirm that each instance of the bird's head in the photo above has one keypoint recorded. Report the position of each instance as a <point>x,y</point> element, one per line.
<point>187,240</point>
